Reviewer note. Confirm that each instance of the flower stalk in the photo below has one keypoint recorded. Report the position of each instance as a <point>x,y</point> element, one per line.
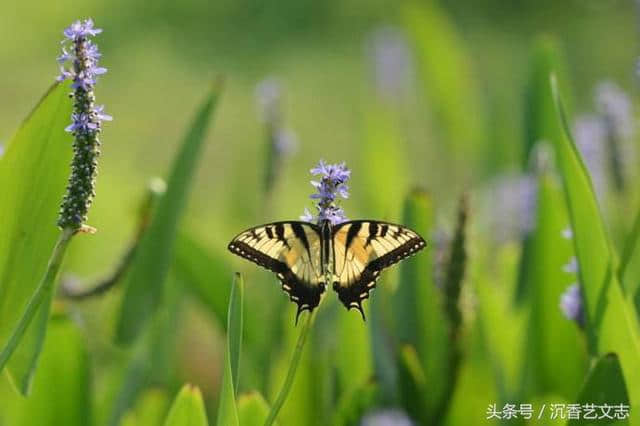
<point>83,54</point>
<point>45,286</point>
<point>293,367</point>
<point>332,185</point>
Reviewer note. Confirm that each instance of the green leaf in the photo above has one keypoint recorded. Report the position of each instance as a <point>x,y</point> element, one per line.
<point>629,271</point>
<point>605,384</point>
<point>202,270</point>
<point>502,325</point>
<point>145,279</point>
<point>419,306</point>
<point>546,281</point>
<point>383,354</point>
<point>234,328</point>
<point>252,409</point>
<point>63,369</point>
<point>611,321</point>
<point>417,294</point>
<point>227,410</point>
<point>187,409</point>
<point>541,122</point>
<point>33,175</point>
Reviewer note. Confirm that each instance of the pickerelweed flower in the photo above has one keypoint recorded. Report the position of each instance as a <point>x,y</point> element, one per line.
<point>572,305</point>
<point>590,134</point>
<point>331,187</point>
<point>282,141</point>
<point>616,106</point>
<point>513,201</point>
<point>616,110</point>
<point>81,55</point>
<point>392,61</point>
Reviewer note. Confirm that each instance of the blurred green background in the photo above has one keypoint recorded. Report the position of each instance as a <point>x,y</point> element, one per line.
<point>452,120</point>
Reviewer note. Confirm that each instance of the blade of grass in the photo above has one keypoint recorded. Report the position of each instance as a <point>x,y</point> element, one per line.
<point>629,271</point>
<point>227,409</point>
<point>419,311</point>
<point>145,279</point>
<point>546,281</point>
<point>540,115</point>
<point>33,176</point>
<point>42,292</point>
<point>611,322</point>
<point>234,329</point>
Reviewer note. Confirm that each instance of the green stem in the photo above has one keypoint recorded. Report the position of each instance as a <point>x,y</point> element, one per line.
<point>45,286</point>
<point>295,360</point>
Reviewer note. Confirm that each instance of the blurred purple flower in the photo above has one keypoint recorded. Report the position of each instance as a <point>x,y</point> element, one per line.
<point>281,141</point>
<point>512,209</point>
<point>590,134</point>
<point>615,105</point>
<point>616,110</point>
<point>285,142</point>
<point>331,186</point>
<point>268,96</point>
<point>392,61</point>
<point>567,233</point>
<point>391,417</point>
<point>571,304</point>
<point>572,266</point>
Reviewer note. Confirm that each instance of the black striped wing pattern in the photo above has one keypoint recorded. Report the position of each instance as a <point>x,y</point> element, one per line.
<point>362,249</point>
<point>292,251</point>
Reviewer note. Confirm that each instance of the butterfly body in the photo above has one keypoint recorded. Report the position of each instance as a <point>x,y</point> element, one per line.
<point>307,257</point>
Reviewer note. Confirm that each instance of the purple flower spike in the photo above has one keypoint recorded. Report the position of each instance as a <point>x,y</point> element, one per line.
<point>571,304</point>
<point>331,186</point>
<point>81,55</point>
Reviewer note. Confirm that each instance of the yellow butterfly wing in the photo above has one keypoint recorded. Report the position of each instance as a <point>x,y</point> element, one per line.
<point>362,249</point>
<point>291,250</point>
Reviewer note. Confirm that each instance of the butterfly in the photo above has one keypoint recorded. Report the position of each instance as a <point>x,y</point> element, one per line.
<point>305,256</point>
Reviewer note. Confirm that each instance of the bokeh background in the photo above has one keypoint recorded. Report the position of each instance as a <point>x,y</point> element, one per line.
<point>409,94</point>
